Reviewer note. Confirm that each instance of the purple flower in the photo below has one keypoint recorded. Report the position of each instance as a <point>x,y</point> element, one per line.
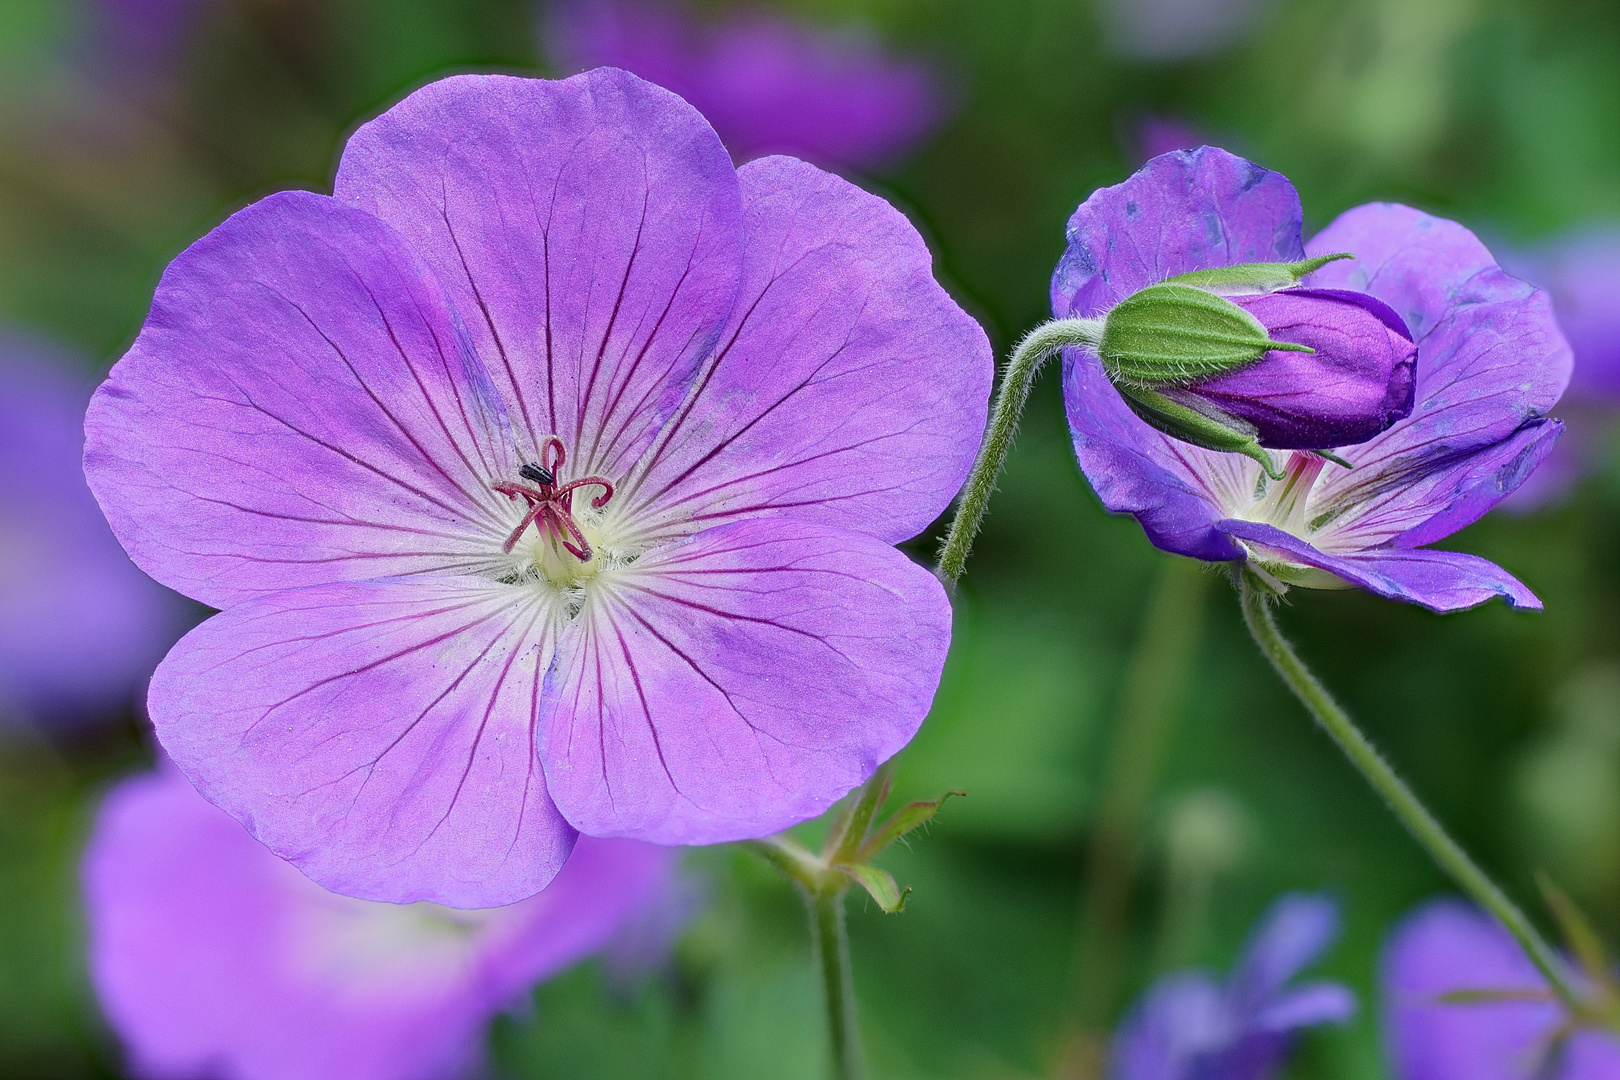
<point>1356,383</point>
<point>213,957</point>
<point>766,84</point>
<point>712,398</point>
<point>80,626</point>
<point>1191,1026</point>
<point>1447,947</point>
<point>1490,363</point>
<point>140,36</point>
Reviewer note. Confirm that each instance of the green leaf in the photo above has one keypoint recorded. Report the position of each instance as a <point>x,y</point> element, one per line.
<point>1213,430</point>
<point>1251,278</point>
<point>905,820</point>
<point>880,884</point>
<point>1175,335</point>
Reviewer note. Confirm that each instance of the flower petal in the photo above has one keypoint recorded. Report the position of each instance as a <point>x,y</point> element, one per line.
<point>1292,934</point>
<point>589,230</point>
<point>1438,580</point>
<point>212,957</point>
<point>1306,1006</point>
<point>847,389</point>
<point>740,681</point>
<point>1167,485</point>
<point>379,735</point>
<point>1446,947</point>
<point>1183,211</point>
<point>299,408</point>
<point>1491,363</point>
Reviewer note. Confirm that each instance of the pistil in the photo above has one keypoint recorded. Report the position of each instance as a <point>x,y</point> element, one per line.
<point>550,503</point>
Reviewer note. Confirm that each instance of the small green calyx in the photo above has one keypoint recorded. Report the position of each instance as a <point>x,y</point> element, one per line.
<point>1248,279</point>
<point>853,841</point>
<point>1176,335</point>
<point>1203,425</point>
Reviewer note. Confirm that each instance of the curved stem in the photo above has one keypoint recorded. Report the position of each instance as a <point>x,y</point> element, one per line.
<point>1022,367</point>
<point>1413,814</point>
<point>830,941</point>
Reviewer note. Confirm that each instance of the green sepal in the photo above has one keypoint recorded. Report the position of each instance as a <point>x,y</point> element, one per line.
<point>1174,335</point>
<point>1214,430</point>
<point>907,818</point>
<point>1494,997</point>
<point>1578,933</point>
<point>880,884</point>
<point>1246,279</point>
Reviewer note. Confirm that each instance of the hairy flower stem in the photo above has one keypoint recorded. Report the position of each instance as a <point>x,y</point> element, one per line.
<point>829,939</point>
<point>1022,367</point>
<point>1257,599</point>
<point>1146,718</point>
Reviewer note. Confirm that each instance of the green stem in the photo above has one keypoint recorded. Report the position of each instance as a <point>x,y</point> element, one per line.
<point>1257,599</point>
<point>1022,367</point>
<point>1146,718</point>
<point>830,941</point>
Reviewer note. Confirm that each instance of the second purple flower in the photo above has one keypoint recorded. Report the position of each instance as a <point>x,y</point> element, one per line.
<point>548,476</point>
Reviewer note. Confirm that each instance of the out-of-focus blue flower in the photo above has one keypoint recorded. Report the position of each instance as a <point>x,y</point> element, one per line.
<point>1178,29</point>
<point>212,957</point>
<point>80,626</point>
<point>766,84</point>
<point>140,37</point>
<point>1192,1026</point>
<point>1446,948</point>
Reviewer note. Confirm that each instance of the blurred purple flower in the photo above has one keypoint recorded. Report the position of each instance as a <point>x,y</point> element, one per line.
<point>213,957</point>
<point>568,501</point>
<point>1151,136</point>
<point>1191,1026</point>
<point>80,626</point>
<point>766,84</point>
<point>1581,272</point>
<point>140,36</point>
<point>1178,29</point>
<point>1491,363</point>
<point>1447,947</point>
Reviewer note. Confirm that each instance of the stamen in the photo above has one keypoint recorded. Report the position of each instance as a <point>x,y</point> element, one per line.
<point>550,504</point>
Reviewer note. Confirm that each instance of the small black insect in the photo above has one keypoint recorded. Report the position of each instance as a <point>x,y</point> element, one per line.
<point>538,473</point>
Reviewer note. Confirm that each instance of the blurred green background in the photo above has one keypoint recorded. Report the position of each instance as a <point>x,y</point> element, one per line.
<point>1504,114</point>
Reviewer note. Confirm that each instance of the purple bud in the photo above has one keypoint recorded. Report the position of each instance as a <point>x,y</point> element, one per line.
<point>1358,382</point>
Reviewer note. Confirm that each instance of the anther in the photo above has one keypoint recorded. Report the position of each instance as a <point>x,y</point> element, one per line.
<point>551,504</point>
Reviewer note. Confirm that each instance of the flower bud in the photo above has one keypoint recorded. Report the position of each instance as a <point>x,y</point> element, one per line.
<point>1241,361</point>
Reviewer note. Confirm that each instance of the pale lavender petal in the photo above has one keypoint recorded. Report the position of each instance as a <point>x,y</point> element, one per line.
<point>212,957</point>
<point>1438,580</point>
<point>1294,932</point>
<point>299,408</point>
<point>1180,212</point>
<point>740,681</point>
<point>1491,364</point>
<point>767,85</point>
<point>589,231</point>
<point>1446,947</point>
<point>1307,1006</point>
<point>379,735</point>
<point>80,626</point>
<point>848,388</point>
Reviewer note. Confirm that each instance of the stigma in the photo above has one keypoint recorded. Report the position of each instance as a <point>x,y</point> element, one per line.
<point>551,504</point>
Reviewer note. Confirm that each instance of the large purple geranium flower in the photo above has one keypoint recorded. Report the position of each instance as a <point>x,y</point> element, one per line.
<point>548,476</point>
<point>80,627</point>
<point>1490,364</point>
<point>1190,1026</point>
<point>212,957</point>
<point>768,85</point>
<point>1448,948</point>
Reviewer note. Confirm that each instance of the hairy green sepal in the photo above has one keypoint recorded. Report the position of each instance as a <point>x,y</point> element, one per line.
<point>1247,279</point>
<point>1205,426</point>
<point>1176,335</point>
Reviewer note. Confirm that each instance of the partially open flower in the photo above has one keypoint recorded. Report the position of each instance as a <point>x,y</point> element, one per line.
<point>1490,362</point>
